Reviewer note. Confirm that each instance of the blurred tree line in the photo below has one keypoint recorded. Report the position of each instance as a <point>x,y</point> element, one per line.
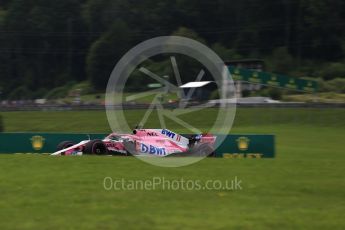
<point>46,44</point>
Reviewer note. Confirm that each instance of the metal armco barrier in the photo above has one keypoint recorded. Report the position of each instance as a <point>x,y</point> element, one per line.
<point>170,106</point>
<point>234,146</point>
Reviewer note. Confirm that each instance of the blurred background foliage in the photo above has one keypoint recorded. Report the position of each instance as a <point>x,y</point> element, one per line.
<point>47,45</point>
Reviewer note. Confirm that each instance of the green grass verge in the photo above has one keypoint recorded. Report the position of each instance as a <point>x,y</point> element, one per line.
<point>96,121</point>
<point>319,97</point>
<point>302,188</point>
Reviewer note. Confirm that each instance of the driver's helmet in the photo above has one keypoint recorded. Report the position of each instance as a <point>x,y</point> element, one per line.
<point>198,137</point>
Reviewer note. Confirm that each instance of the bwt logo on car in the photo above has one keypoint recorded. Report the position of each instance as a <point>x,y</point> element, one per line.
<point>168,133</point>
<point>152,149</point>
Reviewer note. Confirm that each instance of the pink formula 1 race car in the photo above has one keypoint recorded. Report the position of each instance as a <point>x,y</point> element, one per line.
<point>143,142</point>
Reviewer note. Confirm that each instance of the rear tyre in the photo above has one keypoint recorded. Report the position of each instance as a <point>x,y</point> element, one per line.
<point>203,150</point>
<point>96,147</point>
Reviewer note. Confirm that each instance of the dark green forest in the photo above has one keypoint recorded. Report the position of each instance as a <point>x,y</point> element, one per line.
<point>46,44</point>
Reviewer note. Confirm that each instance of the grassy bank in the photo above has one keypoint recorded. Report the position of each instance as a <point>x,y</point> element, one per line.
<point>302,187</point>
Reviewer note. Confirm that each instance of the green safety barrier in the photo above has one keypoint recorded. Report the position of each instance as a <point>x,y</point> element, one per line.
<point>246,146</point>
<point>39,142</point>
<point>270,79</point>
<point>250,146</point>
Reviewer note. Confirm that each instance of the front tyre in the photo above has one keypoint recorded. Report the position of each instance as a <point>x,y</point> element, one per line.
<point>64,145</point>
<point>96,147</point>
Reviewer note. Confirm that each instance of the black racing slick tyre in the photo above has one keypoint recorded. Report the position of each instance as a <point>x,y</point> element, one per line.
<point>203,150</point>
<point>64,144</point>
<point>96,147</point>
